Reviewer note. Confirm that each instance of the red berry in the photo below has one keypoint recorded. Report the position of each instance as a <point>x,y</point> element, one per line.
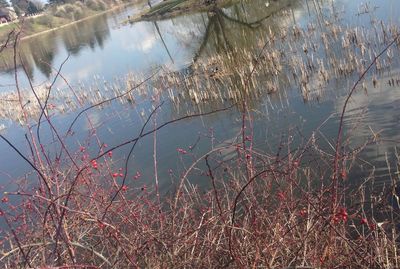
<point>343,174</point>
<point>101,225</point>
<point>372,226</point>
<point>182,151</point>
<point>303,212</point>
<point>137,176</point>
<point>364,221</point>
<point>94,164</point>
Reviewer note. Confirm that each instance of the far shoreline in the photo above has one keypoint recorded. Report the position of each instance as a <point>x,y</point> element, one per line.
<point>78,21</point>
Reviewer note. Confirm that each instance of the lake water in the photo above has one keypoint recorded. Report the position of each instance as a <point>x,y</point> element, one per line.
<point>104,54</point>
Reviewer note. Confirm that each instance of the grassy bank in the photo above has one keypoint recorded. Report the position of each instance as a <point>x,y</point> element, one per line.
<point>57,17</point>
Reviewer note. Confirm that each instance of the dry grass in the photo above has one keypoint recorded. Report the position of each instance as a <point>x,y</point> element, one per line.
<point>278,215</point>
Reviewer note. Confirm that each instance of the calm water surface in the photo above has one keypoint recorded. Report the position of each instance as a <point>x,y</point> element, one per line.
<point>102,50</point>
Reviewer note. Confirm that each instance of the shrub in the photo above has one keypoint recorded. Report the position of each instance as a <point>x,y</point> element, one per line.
<point>96,5</point>
<point>92,4</point>
<point>102,5</point>
<point>69,8</point>
<point>78,14</point>
<point>79,5</point>
<point>61,12</point>
<point>46,20</point>
<point>70,11</point>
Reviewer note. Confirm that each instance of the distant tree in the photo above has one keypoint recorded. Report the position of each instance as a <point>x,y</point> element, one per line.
<point>39,4</point>
<point>4,3</point>
<point>20,6</point>
<point>17,11</point>
<point>34,7</point>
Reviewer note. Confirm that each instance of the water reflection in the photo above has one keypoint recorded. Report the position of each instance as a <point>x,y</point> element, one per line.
<point>40,52</point>
<point>217,31</point>
<point>240,26</point>
<point>92,33</point>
